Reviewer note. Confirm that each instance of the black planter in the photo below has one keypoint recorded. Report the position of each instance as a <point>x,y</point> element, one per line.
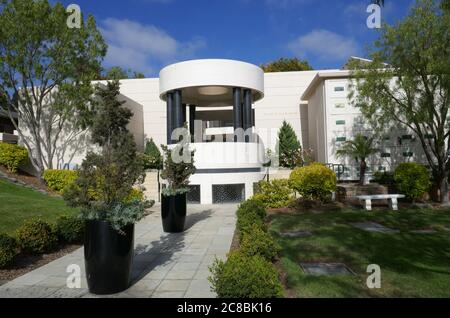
<point>108,257</point>
<point>173,212</point>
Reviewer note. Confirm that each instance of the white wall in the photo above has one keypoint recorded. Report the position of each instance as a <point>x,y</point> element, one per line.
<point>283,92</point>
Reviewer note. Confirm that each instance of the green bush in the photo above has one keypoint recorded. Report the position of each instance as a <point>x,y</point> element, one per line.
<point>384,178</point>
<point>58,180</point>
<point>8,250</point>
<point>36,236</point>
<point>313,182</point>
<point>258,242</point>
<point>250,212</point>
<point>274,194</point>
<point>70,229</point>
<point>242,276</point>
<point>12,156</point>
<point>412,180</point>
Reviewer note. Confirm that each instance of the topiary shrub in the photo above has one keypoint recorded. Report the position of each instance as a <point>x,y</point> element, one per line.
<point>313,182</point>
<point>412,180</point>
<point>274,194</point>
<point>243,276</point>
<point>258,242</point>
<point>58,180</point>
<point>249,213</point>
<point>36,236</point>
<point>70,229</point>
<point>12,156</point>
<point>8,250</point>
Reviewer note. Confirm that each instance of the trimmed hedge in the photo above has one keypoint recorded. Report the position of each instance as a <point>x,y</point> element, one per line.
<point>259,242</point>
<point>274,194</point>
<point>70,229</point>
<point>314,182</point>
<point>412,179</point>
<point>249,213</point>
<point>8,250</point>
<point>12,156</point>
<point>58,180</point>
<point>248,272</point>
<point>243,276</point>
<point>36,236</point>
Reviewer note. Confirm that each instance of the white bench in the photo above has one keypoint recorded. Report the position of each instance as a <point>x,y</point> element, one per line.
<point>393,200</point>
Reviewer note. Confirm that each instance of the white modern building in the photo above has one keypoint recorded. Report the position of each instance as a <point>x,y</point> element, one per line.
<point>218,97</point>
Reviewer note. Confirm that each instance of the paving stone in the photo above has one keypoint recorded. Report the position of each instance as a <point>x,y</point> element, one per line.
<point>168,294</point>
<point>199,288</point>
<point>373,227</point>
<point>165,265</point>
<point>69,293</point>
<point>176,274</point>
<point>174,285</point>
<point>297,234</point>
<point>327,269</point>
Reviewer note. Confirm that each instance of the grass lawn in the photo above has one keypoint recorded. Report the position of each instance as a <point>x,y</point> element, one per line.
<point>412,265</point>
<point>18,204</point>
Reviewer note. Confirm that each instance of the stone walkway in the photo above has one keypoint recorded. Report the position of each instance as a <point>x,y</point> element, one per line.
<point>165,265</point>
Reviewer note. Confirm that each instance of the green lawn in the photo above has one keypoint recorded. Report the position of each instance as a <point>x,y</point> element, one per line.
<point>18,204</point>
<point>412,265</point>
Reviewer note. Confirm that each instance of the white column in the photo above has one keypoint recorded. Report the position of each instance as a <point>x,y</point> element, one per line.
<point>206,193</point>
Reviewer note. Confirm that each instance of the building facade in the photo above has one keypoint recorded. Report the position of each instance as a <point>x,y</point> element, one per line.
<point>217,97</point>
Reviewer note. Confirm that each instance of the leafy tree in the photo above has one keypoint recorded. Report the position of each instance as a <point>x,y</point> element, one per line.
<point>153,157</point>
<point>286,65</point>
<point>360,149</point>
<point>106,179</point>
<point>48,67</point>
<point>413,90</point>
<point>118,73</point>
<point>289,146</point>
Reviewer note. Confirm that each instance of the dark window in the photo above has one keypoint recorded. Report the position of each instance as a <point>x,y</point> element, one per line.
<point>228,193</point>
<point>339,89</point>
<point>193,195</point>
<point>385,155</point>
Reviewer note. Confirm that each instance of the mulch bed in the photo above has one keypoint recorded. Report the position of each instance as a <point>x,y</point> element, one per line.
<point>26,263</point>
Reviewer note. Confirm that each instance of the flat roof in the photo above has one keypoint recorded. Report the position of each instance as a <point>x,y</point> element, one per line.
<point>322,76</point>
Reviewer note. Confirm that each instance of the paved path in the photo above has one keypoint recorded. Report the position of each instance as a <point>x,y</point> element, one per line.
<point>165,265</point>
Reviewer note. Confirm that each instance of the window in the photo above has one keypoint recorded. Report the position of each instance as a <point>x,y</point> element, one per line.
<point>193,196</point>
<point>340,122</point>
<point>341,139</point>
<point>408,154</point>
<point>429,136</point>
<point>385,155</point>
<point>339,105</point>
<point>339,89</point>
<point>407,137</point>
<point>228,193</point>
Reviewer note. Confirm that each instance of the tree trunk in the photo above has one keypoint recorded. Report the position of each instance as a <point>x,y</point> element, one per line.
<point>362,172</point>
<point>443,189</point>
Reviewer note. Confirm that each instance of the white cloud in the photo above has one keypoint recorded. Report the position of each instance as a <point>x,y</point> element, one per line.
<point>144,47</point>
<point>325,45</point>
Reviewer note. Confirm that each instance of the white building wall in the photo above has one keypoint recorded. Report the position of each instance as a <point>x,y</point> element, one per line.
<point>283,92</point>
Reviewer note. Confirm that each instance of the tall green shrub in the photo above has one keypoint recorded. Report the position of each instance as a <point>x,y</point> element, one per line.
<point>107,177</point>
<point>152,156</point>
<point>412,180</point>
<point>12,156</point>
<point>36,236</point>
<point>289,146</point>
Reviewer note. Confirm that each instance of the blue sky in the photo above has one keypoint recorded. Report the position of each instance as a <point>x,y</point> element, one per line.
<point>145,35</point>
